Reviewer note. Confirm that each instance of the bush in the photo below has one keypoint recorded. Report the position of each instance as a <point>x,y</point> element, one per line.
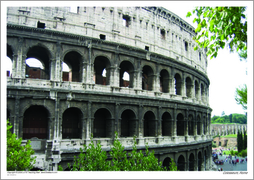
<point>243,153</point>
<point>93,158</point>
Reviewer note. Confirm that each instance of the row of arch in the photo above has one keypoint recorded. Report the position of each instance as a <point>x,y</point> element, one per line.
<point>174,83</point>
<point>36,118</point>
<point>189,163</point>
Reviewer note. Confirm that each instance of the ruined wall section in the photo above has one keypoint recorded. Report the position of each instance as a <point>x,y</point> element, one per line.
<point>152,28</point>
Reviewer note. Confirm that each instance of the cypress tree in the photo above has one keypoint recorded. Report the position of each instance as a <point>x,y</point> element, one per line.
<point>245,140</point>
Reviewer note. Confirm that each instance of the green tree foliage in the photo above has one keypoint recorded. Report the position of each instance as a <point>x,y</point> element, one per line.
<point>239,141</point>
<point>18,157</point>
<point>219,27</point>
<point>241,96</point>
<point>93,158</point>
<point>236,118</point>
<point>245,141</point>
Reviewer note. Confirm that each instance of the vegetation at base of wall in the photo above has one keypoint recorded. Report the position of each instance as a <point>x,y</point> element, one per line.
<point>229,136</point>
<point>228,119</point>
<point>18,156</point>
<point>93,158</point>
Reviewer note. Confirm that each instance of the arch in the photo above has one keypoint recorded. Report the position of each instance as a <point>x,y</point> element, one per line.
<point>191,162</point>
<point>178,84</point>
<point>166,163</point>
<point>199,127</point>
<point>166,124</point>
<point>101,63</point>
<point>196,89</point>
<point>180,125</point>
<point>199,160</point>
<point>164,81</point>
<point>126,67</point>
<point>203,92</point>
<point>9,52</point>
<point>41,54</point>
<point>102,123</point>
<point>71,125</point>
<point>35,122</point>
<point>181,163</point>
<point>128,123</point>
<point>9,61</point>
<point>74,61</point>
<point>147,78</point>
<point>149,124</point>
<point>190,125</point>
<point>188,87</point>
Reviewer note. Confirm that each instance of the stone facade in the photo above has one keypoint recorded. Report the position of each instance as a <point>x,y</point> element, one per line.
<point>225,129</point>
<point>164,102</point>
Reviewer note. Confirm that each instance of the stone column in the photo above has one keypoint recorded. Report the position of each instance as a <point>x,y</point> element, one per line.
<point>175,122</point>
<point>172,82</point>
<point>89,121</point>
<point>116,124</point>
<point>18,120</point>
<point>159,130</point>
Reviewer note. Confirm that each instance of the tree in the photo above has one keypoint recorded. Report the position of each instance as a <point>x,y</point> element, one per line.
<point>18,156</point>
<point>220,26</point>
<point>245,140</point>
<point>230,118</point>
<point>93,158</point>
<point>241,96</point>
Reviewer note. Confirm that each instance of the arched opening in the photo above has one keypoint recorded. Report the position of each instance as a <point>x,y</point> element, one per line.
<point>196,89</point>
<point>181,163</point>
<point>178,84</point>
<point>166,124</point>
<point>190,125</point>
<point>180,125</point>
<point>35,123</point>
<point>37,63</point>
<point>36,169</point>
<point>74,61</point>
<point>147,78</point>
<point>149,124</point>
<point>101,70</point>
<point>126,74</point>
<point>199,127</point>
<point>9,61</point>
<point>128,124</point>
<point>67,75</point>
<point>164,81</point>
<point>188,87</point>
<point>205,159</point>
<point>71,124</point>
<point>203,93</point>
<point>166,163</point>
<point>204,124</point>
<point>191,162</point>
<point>199,161</point>
<point>102,123</point>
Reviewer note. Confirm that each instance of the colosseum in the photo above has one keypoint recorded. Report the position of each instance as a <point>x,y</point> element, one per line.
<point>102,70</point>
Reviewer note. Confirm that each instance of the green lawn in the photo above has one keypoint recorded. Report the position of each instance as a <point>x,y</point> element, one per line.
<point>229,136</point>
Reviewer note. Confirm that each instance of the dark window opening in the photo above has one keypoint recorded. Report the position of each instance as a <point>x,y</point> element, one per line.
<point>40,25</point>
<point>102,36</point>
<point>126,20</point>
<point>147,48</point>
<point>163,33</point>
<point>186,46</point>
<point>200,56</point>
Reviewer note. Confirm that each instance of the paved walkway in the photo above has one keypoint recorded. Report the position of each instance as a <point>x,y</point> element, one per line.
<point>230,167</point>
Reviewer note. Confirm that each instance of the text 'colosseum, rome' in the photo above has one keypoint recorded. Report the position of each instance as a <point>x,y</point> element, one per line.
<point>102,70</point>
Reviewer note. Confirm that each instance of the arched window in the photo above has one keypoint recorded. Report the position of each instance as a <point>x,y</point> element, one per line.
<point>102,124</point>
<point>196,89</point>
<point>166,163</point>
<point>128,124</point>
<point>181,163</point>
<point>190,125</point>
<point>8,67</point>
<point>164,81</point>
<point>147,78</point>
<point>67,76</point>
<point>38,63</point>
<point>203,93</point>
<point>199,161</point>
<point>166,124</point>
<point>199,127</point>
<point>74,62</point>
<point>180,125</point>
<point>101,70</point>
<point>149,124</point>
<point>191,162</point>
<point>188,87</point>
<point>178,84</point>
<point>126,74</point>
<point>35,123</point>
<point>72,123</point>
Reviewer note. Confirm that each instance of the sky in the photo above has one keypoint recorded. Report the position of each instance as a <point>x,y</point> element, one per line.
<point>226,72</point>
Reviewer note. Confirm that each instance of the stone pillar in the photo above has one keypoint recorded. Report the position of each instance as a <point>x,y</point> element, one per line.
<point>174,133</point>
<point>116,123</point>
<point>195,123</point>
<point>89,121</point>
<point>84,71</point>
<point>156,77</point>
<point>141,122</point>
<point>18,119</point>
<point>159,122</point>
<point>138,76</point>
<point>57,123</point>
<point>172,82</point>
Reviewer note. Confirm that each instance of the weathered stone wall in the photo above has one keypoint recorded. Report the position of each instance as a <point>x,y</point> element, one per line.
<point>166,104</point>
<point>225,142</point>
